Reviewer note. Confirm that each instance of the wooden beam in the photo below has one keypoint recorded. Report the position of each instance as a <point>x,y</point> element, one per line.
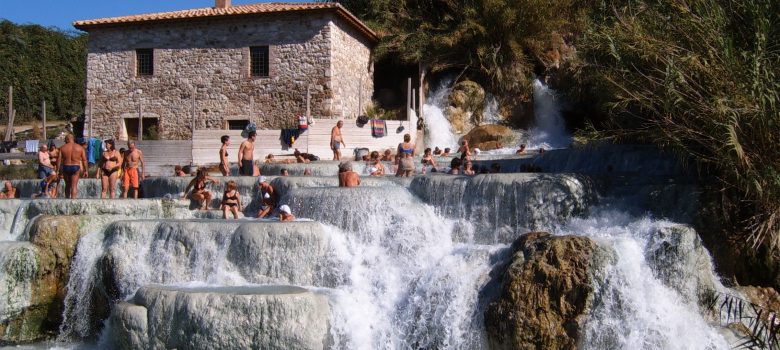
<point>9,131</point>
<point>43,116</point>
<point>140,120</point>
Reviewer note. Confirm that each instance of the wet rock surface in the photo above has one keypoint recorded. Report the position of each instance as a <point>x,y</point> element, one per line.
<point>263,317</point>
<point>546,293</point>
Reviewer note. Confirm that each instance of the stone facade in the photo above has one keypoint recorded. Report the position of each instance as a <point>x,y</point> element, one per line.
<point>202,74</point>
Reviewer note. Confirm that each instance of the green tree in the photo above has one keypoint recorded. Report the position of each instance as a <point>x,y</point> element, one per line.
<point>42,63</point>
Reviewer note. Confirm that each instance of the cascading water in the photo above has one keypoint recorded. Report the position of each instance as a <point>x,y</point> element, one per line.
<point>549,129</point>
<point>439,131</point>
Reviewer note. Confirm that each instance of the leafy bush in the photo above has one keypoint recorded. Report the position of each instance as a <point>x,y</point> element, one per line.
<point>698,76</point>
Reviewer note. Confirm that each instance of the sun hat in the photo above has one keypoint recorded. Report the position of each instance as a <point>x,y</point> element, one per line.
<point>285,209</point>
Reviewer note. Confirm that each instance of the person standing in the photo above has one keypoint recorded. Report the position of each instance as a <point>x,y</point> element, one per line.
<point>224,164</point>
<point>130,177</point>
<point>44,162</point>
<point>246,155</point>
<point>73,162</point>
<point>405,154</point>
<point>337,140</point>
<point>111,162</point>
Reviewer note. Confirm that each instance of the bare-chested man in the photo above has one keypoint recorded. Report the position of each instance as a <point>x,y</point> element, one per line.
<point>130,177</point>
<point>44,162</point>
<point>73,162</point>
<point>246,155</point>
<point>347,177</point>
<point>337,140</point>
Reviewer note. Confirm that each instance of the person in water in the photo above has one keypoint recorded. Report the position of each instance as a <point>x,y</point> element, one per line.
<point>405,154</point>
<point>285,214</point>
<point>178,171</point>
<point>231,200</point>
<point>224,163</point>
<point>377,169</point>
<point>388,156</point>
<point>108,171</point>
<point>347,177</point>
<point>446,152</point>
<point>284,172</point>
<point>269,198</point>
<point>455,166</point>
<point>9,191</point>
<point>199,192</point>
<point>427,160</point>
<point>521,150</point>
<point>73,163</point>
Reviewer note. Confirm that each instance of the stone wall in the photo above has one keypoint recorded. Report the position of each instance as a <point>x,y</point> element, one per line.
<point>208,60</point>
<point>353,82</point>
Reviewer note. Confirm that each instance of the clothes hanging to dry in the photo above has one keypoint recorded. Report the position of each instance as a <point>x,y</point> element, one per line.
<point>378,128</point>
<point>289,136</point>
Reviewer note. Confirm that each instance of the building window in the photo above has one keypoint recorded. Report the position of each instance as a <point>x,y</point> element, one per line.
<point>144,61</point>
<point>258,58</point>
<point>237,124</point>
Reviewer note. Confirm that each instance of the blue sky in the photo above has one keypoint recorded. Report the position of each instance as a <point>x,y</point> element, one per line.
<point>61,13</point>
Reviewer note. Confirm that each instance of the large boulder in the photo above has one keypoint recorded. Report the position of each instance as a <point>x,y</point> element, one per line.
<point>256,317</point>
<point>487,137</point>
<point>44,267</point>
<point>546,292</point>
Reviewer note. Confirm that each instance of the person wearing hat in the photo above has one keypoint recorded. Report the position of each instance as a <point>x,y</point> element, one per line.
<point>285,214</point>
<point>269,198</point>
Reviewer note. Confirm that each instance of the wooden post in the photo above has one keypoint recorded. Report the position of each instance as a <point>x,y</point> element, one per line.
<point>414,104</point>
<point>408,99</point>
<point>308,114</point>
<point>43,116</point>
<point>192,121</point>
<point>91,117</point>
<point>360,96</point>
<point>9,131</point>
<point>140,120</point>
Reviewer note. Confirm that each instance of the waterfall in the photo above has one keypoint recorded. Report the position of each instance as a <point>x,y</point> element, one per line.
<point>549,129</point>
<point>439,130</point>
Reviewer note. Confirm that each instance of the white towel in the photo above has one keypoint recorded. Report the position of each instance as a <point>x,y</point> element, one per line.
<point>31,146</point>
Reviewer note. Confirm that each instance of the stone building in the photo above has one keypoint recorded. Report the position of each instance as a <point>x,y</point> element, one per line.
<point>224,66</point>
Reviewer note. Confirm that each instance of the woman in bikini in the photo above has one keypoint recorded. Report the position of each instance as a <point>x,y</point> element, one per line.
<point>111,162</point>
<point>54,157</point>
<point>231,200</point>
<point>405,157</point>
<point>199,192</point>
<point>427,159</point>
<point>224,164</point>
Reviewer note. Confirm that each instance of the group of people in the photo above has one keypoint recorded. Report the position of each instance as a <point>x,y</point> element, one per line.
<point>70,163</point>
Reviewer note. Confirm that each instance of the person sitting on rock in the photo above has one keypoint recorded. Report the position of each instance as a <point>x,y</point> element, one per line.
<point>231,200</point>
<point>199,192</point>
<point>269,198</point>
<point>299,157</point>
<point>521,150</point>
<point>285,214</point>
<point>47,187</point>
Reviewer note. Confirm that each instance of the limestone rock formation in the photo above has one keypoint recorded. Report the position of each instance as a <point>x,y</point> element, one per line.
<point>43,267</point>
<point>261,317</point>
<point>487,137</point>
<point>467,101</point>
<point>546,292</point>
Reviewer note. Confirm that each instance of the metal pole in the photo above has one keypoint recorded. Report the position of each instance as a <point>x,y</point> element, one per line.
<point>414,104</point>
<point>308,114</point>
<point>192,97</point>
<point>43,115</point>
<point>408,99</point>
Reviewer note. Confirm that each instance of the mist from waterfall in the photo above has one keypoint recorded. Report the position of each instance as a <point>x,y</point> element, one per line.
<point>439,131</point>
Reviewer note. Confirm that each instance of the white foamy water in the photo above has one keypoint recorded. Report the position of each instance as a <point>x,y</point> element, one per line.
<point>549,129</point>
<point>439,131</point>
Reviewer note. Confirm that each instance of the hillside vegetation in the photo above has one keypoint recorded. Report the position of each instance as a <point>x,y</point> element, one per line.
<point>42,63</point>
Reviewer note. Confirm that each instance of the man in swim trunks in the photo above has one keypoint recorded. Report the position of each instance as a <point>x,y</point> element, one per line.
<point>246,155</point>
<point>73,162</point>
<point>130,176</point>
<point>337,140</point>
<point>44,162</point>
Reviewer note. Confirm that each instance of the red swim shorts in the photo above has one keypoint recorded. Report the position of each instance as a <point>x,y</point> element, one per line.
<point>130,177</point>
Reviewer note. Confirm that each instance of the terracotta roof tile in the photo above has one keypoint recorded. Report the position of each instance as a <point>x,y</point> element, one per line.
<point>261,8</point>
